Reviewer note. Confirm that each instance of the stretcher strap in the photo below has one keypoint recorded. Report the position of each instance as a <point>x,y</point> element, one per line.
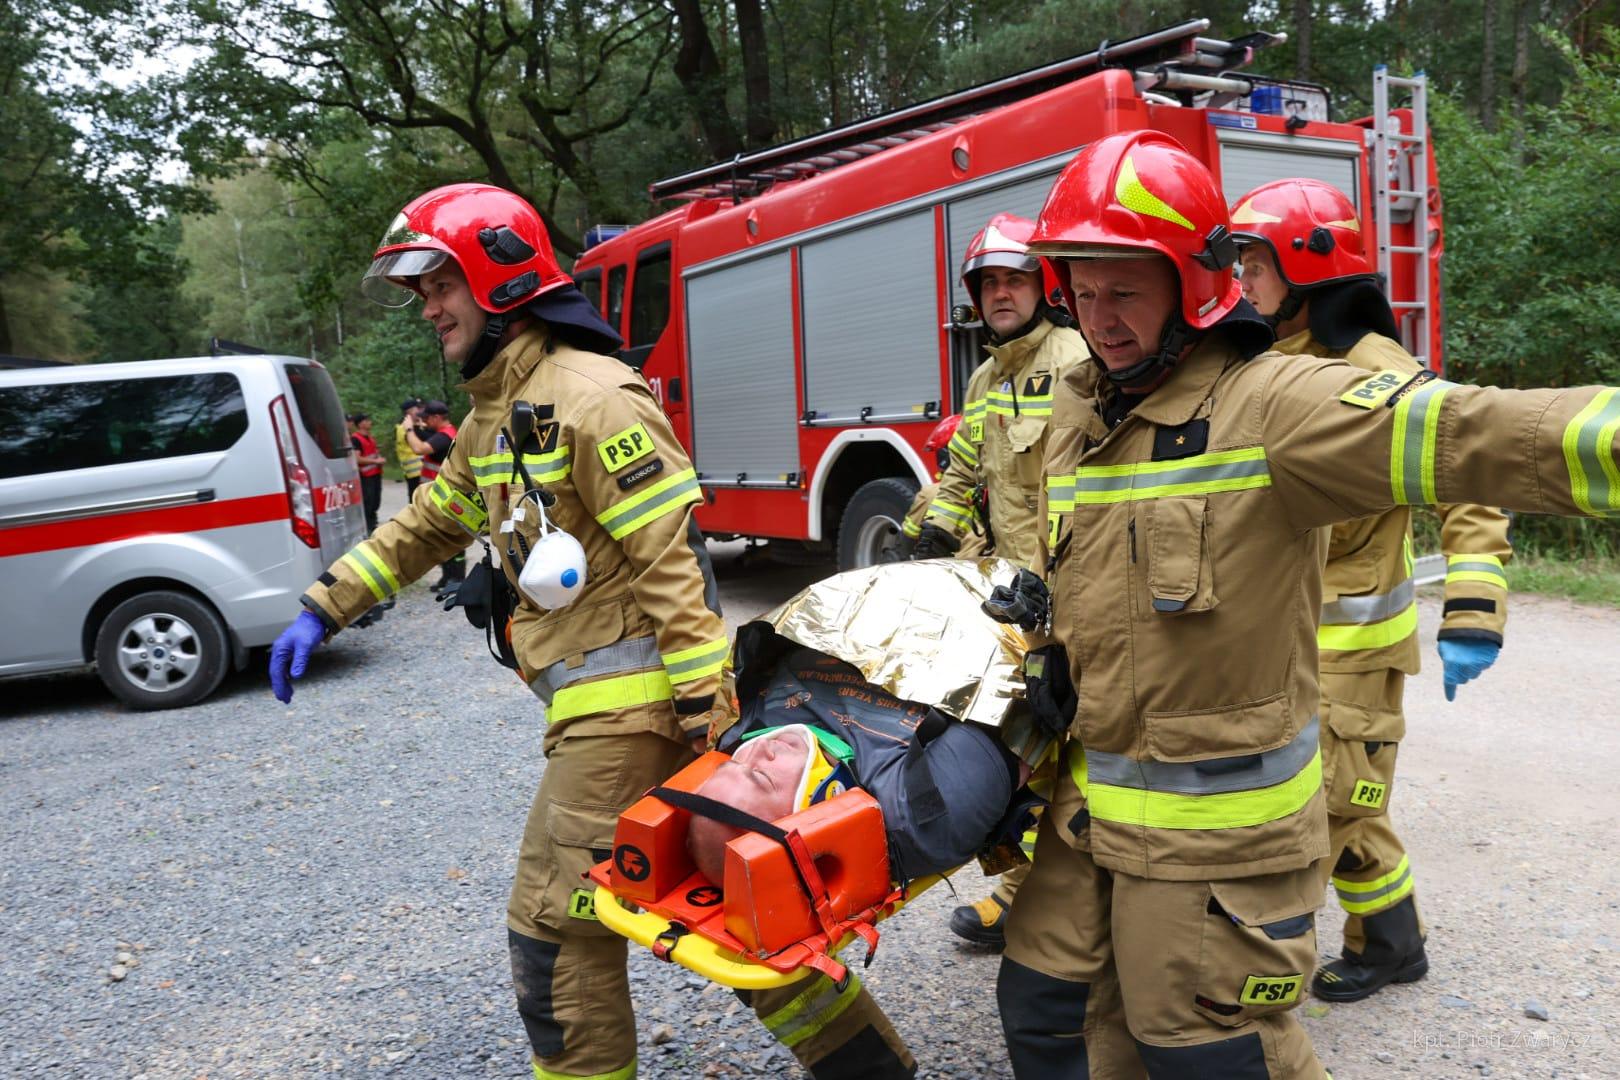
<point>804,865</point>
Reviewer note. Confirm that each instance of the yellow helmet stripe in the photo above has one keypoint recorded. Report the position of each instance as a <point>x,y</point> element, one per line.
<point>1246,214</point>
<point>1133,195</point>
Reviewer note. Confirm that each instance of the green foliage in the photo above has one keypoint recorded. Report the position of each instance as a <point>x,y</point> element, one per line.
<point>393,358</point>
<point>1593,580</point>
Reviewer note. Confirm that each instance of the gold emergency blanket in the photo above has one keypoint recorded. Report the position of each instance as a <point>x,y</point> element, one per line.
<point>915,630</point>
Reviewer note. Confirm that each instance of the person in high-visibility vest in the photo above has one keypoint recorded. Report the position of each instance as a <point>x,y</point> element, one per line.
<point>1304,266</point>
<point>435,449</point>
<point>410,462</point>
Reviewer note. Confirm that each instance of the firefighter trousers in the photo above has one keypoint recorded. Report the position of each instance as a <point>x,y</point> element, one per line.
<point>568,970</point>
<point>1362,726</point>
<point>836,1033</point>
<point>1109,976</point>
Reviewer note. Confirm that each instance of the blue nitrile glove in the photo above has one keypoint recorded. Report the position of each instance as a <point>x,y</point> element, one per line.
<point>1465,659</point>
<point>289,656</point>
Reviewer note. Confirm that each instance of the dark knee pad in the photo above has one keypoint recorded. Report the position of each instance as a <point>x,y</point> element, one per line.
<point>534,964</point>
<point>1043,1018</point>
<point>864,1057</point>
<point>1242,1058</point>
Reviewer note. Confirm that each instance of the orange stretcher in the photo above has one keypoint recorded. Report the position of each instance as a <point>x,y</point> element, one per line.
<point>788,903</point>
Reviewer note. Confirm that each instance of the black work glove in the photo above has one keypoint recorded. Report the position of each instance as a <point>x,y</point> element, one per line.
<point>1049,689</point>
<point>935,543</point>
<point>1023,602</point>
<point>898,549</point>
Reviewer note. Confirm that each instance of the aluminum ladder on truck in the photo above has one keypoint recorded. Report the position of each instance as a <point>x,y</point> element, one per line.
<point>1405,161</point>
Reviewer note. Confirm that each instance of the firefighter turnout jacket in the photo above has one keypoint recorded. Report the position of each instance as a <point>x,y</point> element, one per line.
<point>1187,545</point>
<point>1000,441</point>
<point>645,628</point>
<point>1369,602</point>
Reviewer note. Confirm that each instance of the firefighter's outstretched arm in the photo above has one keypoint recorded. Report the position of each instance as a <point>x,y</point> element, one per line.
<point>442,519</point>
<point>635,479</point>
<point>1341,444</point>
<point>1474,540</point>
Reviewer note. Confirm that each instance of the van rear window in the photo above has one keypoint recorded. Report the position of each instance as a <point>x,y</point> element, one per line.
<point>319,408</point>
<point>64,426</point>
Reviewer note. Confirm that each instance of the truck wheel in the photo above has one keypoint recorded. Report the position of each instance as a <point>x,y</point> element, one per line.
<point>162,650</point>
<point>871,518</point>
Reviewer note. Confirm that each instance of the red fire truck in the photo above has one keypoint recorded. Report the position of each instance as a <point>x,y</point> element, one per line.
<point>798,312</point>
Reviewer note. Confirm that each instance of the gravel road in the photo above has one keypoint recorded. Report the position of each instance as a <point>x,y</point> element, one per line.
<point>245,890</point>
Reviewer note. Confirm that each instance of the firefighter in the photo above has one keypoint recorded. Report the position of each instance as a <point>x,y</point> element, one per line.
<point>995,456</point>
<point>1304,267</point>
<point>1169,917</point>
<point>1008,401</point>
<point>630,669</point>
<point>901,546</point>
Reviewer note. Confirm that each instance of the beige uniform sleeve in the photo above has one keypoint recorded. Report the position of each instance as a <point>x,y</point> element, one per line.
<point>952,506</point>
<point>1475,542</point>
<point>634,478</point>
<point>441,519</point>
<point>1339,443</point>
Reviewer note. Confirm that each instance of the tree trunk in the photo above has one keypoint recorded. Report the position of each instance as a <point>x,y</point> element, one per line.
<point>5,324</point>
<point>756,61</point>
<point>1302,39</point>
<point>1487,70</point>
<point>1524,11</point>
<point>697,67</point>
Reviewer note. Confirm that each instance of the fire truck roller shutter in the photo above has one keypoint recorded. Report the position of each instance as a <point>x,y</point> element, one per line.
<point>966,216</point>
<point>740,340</point>
<point>1249,159</point>
<point>871,321</point>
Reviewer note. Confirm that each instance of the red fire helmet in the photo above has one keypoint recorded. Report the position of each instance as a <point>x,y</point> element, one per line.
<point>942,432</point>
<point>1311,227</point>
<point>1004,241</point>
<point>1141,191</point>
<point>496,238</point>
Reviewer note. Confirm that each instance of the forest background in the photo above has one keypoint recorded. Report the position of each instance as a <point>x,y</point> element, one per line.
<point>177,170</point>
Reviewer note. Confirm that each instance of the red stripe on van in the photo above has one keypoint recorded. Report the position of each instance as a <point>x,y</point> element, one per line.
<point>60,535</point>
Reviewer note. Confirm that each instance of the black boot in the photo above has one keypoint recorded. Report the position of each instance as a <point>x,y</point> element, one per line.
<point>1394,953</point>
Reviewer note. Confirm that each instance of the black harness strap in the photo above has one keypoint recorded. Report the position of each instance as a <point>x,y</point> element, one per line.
<point>922,791</point>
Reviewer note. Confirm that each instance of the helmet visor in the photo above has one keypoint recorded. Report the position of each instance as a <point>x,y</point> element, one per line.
<point>387,280</point>
<point>1012,260</point>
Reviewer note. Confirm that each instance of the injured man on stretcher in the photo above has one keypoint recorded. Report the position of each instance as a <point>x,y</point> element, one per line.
<point>813,725</point>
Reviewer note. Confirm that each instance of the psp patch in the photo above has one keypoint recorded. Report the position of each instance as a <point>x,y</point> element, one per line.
<point>582,905</point>
<point>1271,989</point>
<point>628,446</point>
<point>1385,388</point>
<point>1369,793</point>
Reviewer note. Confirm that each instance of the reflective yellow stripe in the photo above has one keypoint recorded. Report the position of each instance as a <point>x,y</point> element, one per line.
<point>1594,477</point>
<point>698,662</point>
<point>1413,441</point>
<point>606,695</point>
<point>626,1073</point>
<point>549,468</point>
<point>1059,494</point>
<point>1201,474</point>
<point>1362,897</point>
<point>1482,568</point>
<point>1378,635</point>
<point>673,492</point>
<point>963,447</point>
<point>911,528</point>
<point>372,570</point>
<point>1225,810</point>
<point>950,512</point>
<point>810,1013</point>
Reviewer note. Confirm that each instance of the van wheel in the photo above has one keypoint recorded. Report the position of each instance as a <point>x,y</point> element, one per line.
<point>871,519</point>
<point>162,650</point>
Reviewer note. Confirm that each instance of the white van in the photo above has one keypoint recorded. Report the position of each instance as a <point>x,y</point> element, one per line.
<point>160,518</point>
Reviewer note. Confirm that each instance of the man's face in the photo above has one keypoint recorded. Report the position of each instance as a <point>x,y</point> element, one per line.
<point>435,421</point>
<point>364,426</point>
<point>1263,286</point>
<point>1008,297</point>
<point>447,303</point>
<point>761,779</point>
<point>413,413</point>
<point>1122,306</point>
